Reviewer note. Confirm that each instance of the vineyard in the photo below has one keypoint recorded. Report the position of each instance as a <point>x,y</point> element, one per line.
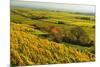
<point>51,37</point>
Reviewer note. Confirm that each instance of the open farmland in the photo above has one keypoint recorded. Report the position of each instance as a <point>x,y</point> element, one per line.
<point>41,36</point>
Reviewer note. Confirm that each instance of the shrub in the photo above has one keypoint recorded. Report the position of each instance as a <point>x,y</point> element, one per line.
<point>80,35</point>
<point>93,26</point>
<point>77,35</point>
<point>60,22</point>
<point>56,33</point>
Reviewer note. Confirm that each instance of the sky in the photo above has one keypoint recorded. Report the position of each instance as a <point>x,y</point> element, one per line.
<point>55,6</point>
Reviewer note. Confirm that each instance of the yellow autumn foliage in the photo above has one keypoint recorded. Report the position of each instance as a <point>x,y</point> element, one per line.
<point>29,49</point>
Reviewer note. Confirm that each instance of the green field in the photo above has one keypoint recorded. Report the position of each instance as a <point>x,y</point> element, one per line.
<point>51,37</point>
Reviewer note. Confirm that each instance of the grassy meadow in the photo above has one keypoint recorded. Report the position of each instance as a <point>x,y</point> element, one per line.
<point>51,37</point>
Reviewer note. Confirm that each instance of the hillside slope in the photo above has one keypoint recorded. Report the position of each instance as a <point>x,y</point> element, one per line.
<point>29,49</point>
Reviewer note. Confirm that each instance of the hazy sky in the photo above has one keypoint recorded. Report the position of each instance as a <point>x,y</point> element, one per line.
<point>55,6</point>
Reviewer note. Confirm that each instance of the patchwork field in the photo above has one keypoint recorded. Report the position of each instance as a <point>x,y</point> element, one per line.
<point>51,37</point>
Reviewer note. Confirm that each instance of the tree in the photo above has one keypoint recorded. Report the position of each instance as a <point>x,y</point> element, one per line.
<point>80,35</point>
<point>56,33</point>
